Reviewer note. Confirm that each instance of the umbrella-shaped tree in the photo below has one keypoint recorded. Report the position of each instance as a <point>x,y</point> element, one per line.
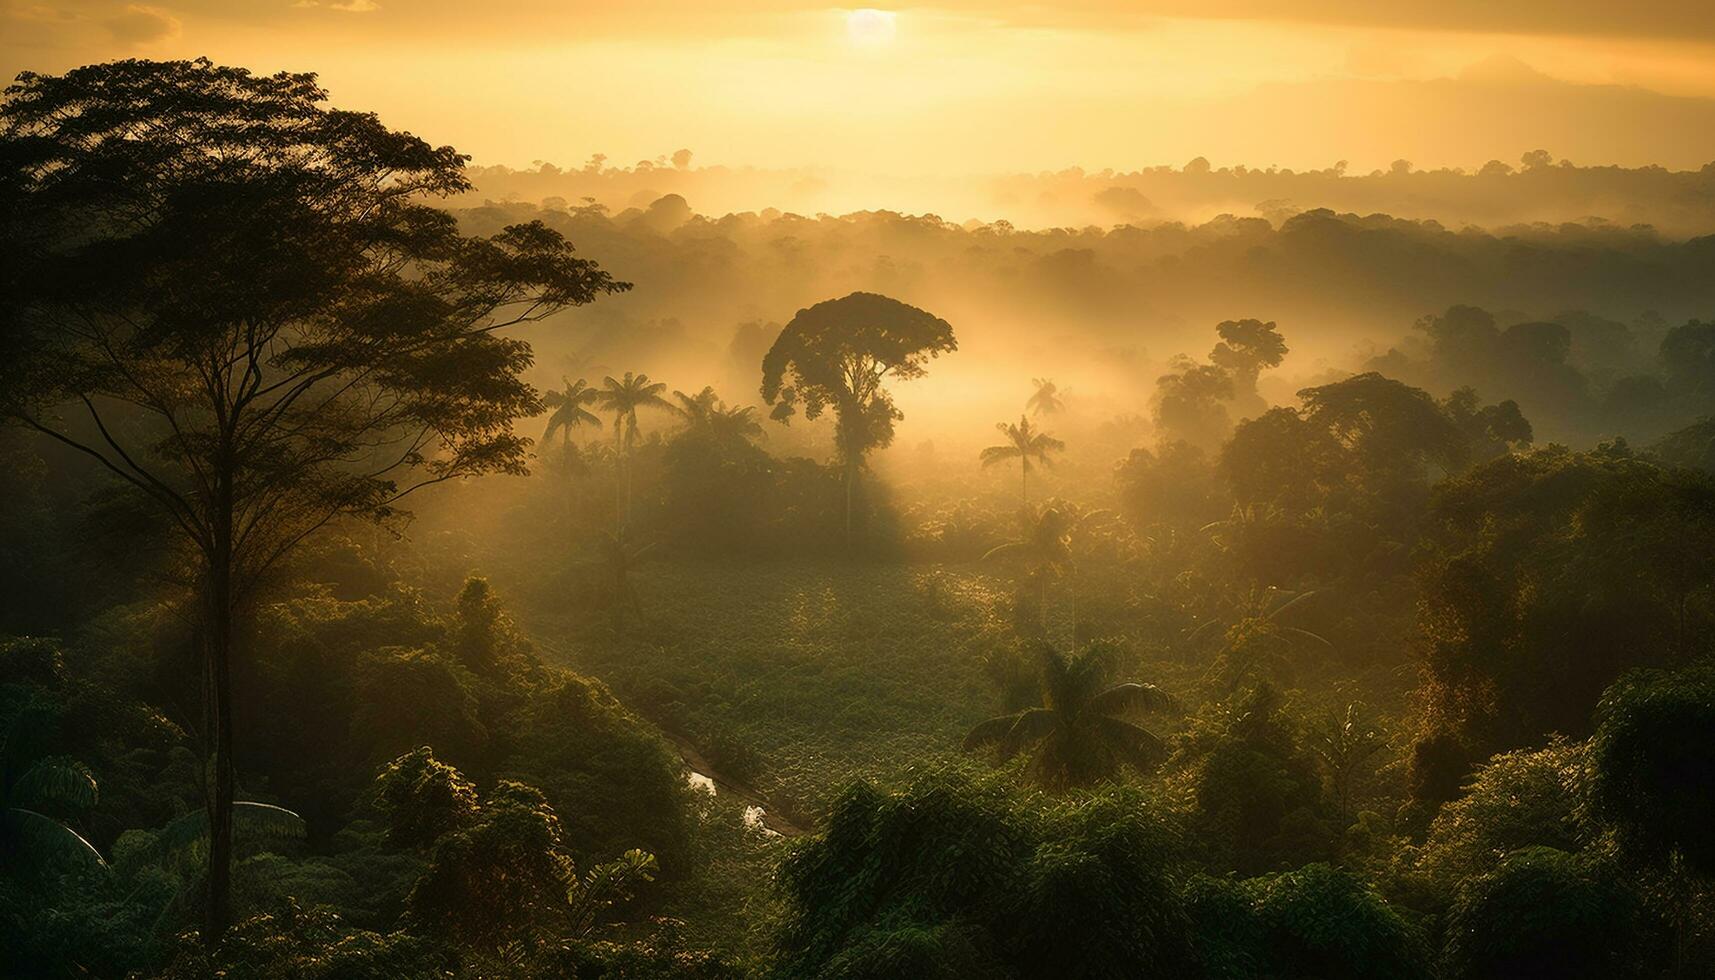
<point>244,305</point>
<point>836,355</point>
<point>1025,444</point>
<point>1246,347</point>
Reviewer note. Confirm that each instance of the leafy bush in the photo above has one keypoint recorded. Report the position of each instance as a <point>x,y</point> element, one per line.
<point>1546,913</point>
<point>1316,923</point>
<point>958,877</point>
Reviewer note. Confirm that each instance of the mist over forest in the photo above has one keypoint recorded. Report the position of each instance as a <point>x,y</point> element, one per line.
<point>413,568</point>
<point>1113,308</point>
<point>1533,188</point>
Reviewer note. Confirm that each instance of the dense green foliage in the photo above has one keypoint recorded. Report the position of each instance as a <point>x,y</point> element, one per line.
<point>957,878</point>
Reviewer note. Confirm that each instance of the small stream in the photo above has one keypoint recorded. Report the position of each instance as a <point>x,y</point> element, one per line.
<point>703,776</point>
<point>754,816</point>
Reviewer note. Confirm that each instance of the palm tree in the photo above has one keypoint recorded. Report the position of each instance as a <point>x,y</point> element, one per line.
<point>1345,742</point>
<point>569,410</point>
<point>623,398</point>
<point>1046,542</point>
<point>1023,444</point>
<point>1046,400</point>
<point>1079,735</point>
<point>1272,606</point>
<point>706,414</point>
<point>696,409</point>
<point>735,424</point>
<point>618,558</point>
<point>570,413</point>
<point>605,886</point>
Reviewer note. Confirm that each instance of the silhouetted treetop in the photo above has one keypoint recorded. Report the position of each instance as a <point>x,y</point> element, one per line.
<point>239,302</point>
<point>848,345</point>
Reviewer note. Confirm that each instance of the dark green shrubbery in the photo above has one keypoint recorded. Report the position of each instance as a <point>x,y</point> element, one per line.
<point>966,878</point>
<point>1316,923</point>
<point>1546,913</point>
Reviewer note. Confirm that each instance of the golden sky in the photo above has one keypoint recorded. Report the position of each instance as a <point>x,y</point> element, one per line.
<point>962,86</point>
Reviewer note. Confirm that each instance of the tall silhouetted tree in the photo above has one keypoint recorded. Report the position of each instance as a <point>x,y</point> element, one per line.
<point>623,397</point>
<point>837,354</point>
<point>569,411</point>
<point>618,558</point>
<point>1025,445</point>
<point>1246,347</point>
<point>1190,405</point>
<point>568,414</point>
<point>241,303</point>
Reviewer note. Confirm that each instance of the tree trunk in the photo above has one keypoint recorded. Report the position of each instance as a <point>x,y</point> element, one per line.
<point>571,515</point>
<point>1072,610</point>
<point>851,483</point>
<point>1042,602</point>
<point>1024,484</point>
<point>217,709</point>
<point>619,467</point>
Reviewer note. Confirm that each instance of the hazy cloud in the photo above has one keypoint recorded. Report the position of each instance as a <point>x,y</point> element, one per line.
<point>343,6</point>
<point>135,24</point>
<point>1679,19</point>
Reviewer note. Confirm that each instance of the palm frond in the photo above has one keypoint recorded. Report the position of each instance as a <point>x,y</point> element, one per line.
<point>1136,745</point>
<point>249,819</point>
<point>1290,604</point>
<point>1097,516</point>
<point>1011,733</point>
<point>1302,634</point>
<point>47,842</point>
<point>1008,549</point>
<point>568,417</point>
<point>607,885</point>
<point>59,781</point>
<point>1198,633</point>
<point>1128,698</point>
<point>1043,444</point>
<point>1030,726</point>
<point>991,732</point>
<point>998,454</point>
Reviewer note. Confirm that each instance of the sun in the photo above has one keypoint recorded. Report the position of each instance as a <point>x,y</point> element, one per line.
<point>869,27</point>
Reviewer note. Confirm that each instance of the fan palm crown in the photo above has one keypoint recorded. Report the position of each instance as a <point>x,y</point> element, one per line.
<point>1025,444</point>
<point>1047,400</point>
<point>1080,733</point>
<point>569,411</point>
<point>706,414</point>
<point>28,834</point>
<point>623,397</point>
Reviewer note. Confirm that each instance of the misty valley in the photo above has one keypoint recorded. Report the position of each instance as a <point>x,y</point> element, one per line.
<point>423,569</point>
